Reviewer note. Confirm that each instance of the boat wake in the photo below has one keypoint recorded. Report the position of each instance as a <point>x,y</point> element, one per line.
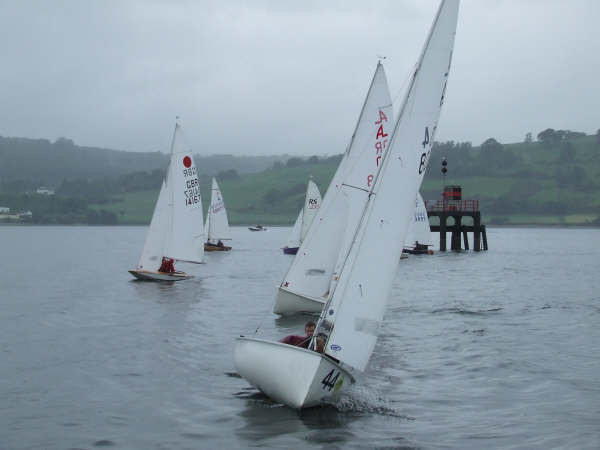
<point>365,401</point>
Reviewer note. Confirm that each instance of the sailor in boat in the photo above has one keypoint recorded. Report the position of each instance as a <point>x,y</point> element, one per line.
<point>167,265</point>
<point>220,243</point>
<point>320,343</point>
<point>301,341</point>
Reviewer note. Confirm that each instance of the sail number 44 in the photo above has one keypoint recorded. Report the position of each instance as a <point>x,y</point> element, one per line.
<point>329,382</point>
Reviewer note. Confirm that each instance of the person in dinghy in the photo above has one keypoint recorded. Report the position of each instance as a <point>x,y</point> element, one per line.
<point>167,265</point>
<point>301,341</point>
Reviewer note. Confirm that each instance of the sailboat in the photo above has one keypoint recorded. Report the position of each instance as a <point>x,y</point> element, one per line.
<point>217,224</point>
<point>347,329</point>
<point>306,285</point>
<point>312,203</point>
<point>418,238</point>
<point>173,234</point>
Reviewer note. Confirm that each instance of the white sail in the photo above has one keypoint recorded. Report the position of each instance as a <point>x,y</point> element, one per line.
<point>355,309</point>
<point>312,203</point>
<point>311,271</point>
<point>217,224</point>
<point>294,239</point>
<point>419,229</point>
<point>185,237</point>
<point>154,245</point>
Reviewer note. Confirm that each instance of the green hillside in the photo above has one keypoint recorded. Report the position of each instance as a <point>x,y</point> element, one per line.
<point>545,183</point>
<point>271,197</point>
<point>554,180</point>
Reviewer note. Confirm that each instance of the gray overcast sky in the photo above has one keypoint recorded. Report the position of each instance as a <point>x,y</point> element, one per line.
<point>270,77</point>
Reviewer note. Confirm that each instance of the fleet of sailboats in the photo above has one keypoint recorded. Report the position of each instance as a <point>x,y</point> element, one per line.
<point>349,322</point>
<point>347,245</point>
<point>312,203</point>
<point>216,227</point>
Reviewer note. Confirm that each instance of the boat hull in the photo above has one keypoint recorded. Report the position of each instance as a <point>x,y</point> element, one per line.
<point>290,250</point>
<point>215,248</point>
<point>257,229</point>
<point>146,275</point>
<point>294,376</point>
<point>288,302</point>
<point>417,252</point>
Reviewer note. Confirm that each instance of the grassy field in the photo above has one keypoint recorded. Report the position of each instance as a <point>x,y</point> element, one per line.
<point>531,192</point>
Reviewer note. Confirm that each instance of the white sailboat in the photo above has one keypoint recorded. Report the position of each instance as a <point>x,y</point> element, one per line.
<point>216,228</point>
<point>418,238</point>
<point>173,234</point>
<point>349,323</point>
<point>312,203</point>
<point>306,285</point>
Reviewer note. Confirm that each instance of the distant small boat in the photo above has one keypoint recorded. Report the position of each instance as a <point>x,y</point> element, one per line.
<point>173,234</point>
<point>257,228</point>
<point>305,218</point>
<point>418,238</point>
<point>217,224</point>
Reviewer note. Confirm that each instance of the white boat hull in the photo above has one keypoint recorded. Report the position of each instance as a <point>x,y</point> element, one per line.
<point>288,302</point>
<point>294,376</point>
<point>146,275</point>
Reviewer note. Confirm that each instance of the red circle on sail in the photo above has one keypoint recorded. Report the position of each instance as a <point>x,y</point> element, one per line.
<point>187,161</point>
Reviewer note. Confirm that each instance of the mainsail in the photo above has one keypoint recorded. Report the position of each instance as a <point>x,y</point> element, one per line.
<point>311,271</point>
<point>355,308</point>
<point>312,204</point>
<point>185,235</point>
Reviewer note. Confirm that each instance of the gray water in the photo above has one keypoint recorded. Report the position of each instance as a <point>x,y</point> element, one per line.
<point>498,349</point>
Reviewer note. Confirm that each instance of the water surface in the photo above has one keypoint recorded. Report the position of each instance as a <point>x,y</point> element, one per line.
<point>496,349</point>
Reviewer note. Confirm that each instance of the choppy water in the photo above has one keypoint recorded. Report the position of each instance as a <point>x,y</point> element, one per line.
<point>499,349</point>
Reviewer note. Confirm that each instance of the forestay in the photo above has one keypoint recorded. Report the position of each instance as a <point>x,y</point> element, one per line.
<point>311,271</point>
<point>356,308</point>
<point>217,227</point>
<point>185,241</point>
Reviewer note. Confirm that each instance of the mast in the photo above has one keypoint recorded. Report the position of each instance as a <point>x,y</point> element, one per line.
<point>170,190</point>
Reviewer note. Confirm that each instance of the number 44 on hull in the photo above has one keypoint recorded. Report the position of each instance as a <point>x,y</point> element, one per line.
<point>294,376</point>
